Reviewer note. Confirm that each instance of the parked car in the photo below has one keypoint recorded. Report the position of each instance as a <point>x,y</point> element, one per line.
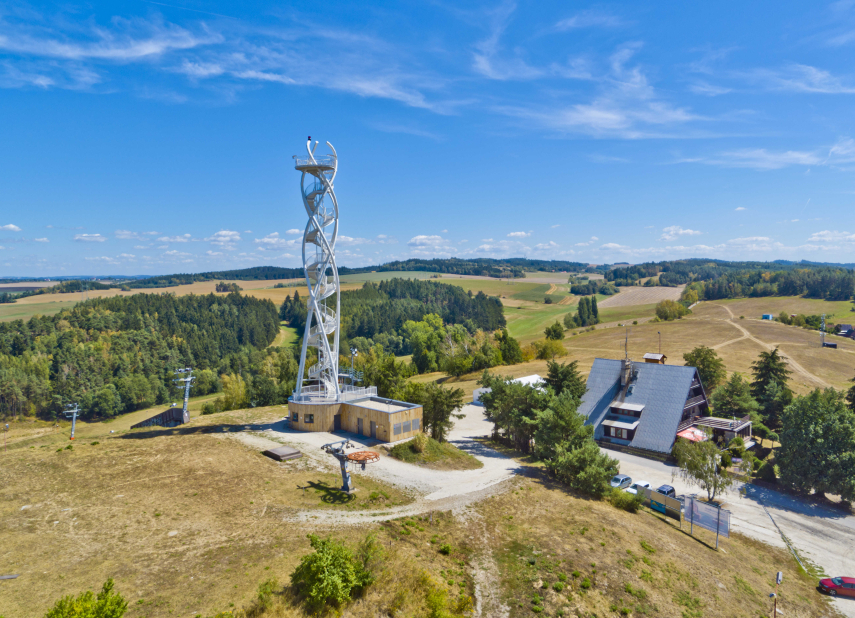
<point>621,481</point>
<point>667,490</point>
<point>638,486</point>
<point>844,586</point>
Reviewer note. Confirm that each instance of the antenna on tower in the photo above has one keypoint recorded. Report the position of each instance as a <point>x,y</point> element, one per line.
<point>71,411</point>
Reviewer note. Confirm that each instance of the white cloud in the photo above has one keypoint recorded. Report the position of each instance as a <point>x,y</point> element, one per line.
<point>294,231</point>
<point>738,208</point>
<point>127,235</point>
<point>272,241</point>
<point>105,259</point>
<point>176,253</point>
<point>426,241</point>
<point>41,239</point>
<point>445,231</point>
<point>349,240</point>
<point>800,78</point>
<point>127,256</point>
<point>89,238</point>
<point>831,236</point>
<point>613,246</point>
<point>589,242</point>
<point>383,239</point>
<point>519,234</point>
<point>181,238</point>
<point>546,245</point>
<point>555,226</point>
<point>675,231</point>
<point>224,238</point>
<point>214,253</point>
<point>10,228</point>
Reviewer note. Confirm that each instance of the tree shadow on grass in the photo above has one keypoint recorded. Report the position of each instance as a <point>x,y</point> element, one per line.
<point>330,494</point>
<point>144,433</point>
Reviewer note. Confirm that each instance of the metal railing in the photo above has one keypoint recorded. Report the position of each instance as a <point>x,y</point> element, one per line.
<point>320,160</point>
<point>319,394</point>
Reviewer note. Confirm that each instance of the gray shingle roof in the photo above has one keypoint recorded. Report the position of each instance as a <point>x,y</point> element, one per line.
<point>661,389</point>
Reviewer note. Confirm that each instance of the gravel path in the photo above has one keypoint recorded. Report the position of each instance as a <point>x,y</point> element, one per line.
<point>432,489</point>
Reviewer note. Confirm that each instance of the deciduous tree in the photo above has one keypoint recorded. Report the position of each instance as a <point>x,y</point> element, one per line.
<point>700,464</point>
<point>710,367</point>
<point>817,451</point>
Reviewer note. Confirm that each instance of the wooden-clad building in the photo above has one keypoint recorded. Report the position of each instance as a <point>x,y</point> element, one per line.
<point>383,419</point>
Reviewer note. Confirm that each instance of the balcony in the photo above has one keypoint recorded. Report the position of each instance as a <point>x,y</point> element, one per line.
<point>693,401</point>
<point>321,163</point>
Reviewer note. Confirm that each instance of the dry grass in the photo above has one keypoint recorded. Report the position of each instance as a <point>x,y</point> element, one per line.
<point>110,510</point>
<point>606,546</point>
<point>641,296</point>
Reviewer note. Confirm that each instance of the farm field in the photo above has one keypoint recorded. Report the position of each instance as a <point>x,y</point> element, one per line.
<point>189,521</point>
<point>21,311</point>
<point>634,295</point>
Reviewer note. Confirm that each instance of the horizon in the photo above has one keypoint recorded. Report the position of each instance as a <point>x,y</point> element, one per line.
<point>157,139</point>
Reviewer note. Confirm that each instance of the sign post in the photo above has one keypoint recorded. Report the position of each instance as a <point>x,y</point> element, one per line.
<point>717,526</point>
<point>778,580</point>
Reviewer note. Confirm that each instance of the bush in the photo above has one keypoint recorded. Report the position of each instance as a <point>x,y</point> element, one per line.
<point>726,460</point>
<point>329,575</point>
<point>670,310</point>
<point>445,549</point>
<point>766,472</point>
<point>208,408</point>
<point>624,500</point>
<point>420,442</point>
<point>546,349</point>
<point>773,436</point>
<point>106,605</point>
<point>547,300</point>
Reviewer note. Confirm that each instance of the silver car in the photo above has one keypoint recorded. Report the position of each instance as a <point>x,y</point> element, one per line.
<point>638,486</point>
<point>621,481</point>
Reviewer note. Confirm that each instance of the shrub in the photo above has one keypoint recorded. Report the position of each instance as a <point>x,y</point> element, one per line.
<point>647,547</point>
<point>329,575</point>
<point>420,442</point>
<point>558,586</point>
<point>586,584</point>
<point>547,300</point>
<point>726,460</point>
<point>107,604</point>
<point>670,310</point>
<point>624,500</point>
<point>773,436</point>
<point>263,599</point>
<point>767,472</point>
<point>546,349</point>
<point>445,549</point>
<point>208,408</point>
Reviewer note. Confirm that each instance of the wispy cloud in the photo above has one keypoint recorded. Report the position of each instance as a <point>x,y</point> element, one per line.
<point>589,19</point>
<point>738,208</point>
<point>831,236</point>
<point>675,231</point>
<point>800,78</point>
<point>519,234</point>
<point>89,238</point>
<point>179,238</point>
<point>40,240</point>
<point>273,241</point>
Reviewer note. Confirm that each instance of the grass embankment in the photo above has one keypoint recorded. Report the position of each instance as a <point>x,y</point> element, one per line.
<point>436,455</point>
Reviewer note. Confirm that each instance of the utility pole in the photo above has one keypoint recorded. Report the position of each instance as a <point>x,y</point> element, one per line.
<point>71,411</point>
<point>660,341</point>
<point>822,332</point>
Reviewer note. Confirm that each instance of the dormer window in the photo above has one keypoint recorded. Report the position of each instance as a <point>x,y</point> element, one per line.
<point>627,409</point>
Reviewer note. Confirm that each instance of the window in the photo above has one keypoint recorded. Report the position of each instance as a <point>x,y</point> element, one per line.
<point>406,428</point>
<point>415,424</point>
<point>309,418</point>
<point>295,417</point>
<point>396,429</point>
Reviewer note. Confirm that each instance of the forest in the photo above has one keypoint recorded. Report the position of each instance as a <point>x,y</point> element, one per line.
<point>115,355</point>
<point>377,313</point>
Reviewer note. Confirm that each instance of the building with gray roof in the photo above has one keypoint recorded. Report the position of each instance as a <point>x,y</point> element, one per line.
<point>642,405</point>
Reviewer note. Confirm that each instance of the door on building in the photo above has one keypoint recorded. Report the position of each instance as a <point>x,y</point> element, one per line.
<point>373,430</point>
<point>359,427</point>
<point>336,419</point>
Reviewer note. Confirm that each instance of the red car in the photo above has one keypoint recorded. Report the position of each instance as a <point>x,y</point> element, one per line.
<point>844,586</point>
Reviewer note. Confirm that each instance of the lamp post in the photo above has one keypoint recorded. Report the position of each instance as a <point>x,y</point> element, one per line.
<point>353,353</point>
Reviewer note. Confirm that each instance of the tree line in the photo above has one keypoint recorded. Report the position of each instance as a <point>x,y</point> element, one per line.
<point>115,355</point>
<point>377,312</point>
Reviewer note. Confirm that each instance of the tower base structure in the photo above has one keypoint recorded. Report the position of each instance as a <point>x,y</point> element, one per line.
<point>385,420</point>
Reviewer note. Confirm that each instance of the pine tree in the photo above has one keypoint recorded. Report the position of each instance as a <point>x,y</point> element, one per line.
<point>584,311</point>
<point>769,367</point>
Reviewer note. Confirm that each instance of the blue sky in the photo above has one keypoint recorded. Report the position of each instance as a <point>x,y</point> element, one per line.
<point>156,137</point>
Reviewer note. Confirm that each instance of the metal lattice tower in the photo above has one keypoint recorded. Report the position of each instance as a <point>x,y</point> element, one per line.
<point>187,382</point>
<point>322,321</point>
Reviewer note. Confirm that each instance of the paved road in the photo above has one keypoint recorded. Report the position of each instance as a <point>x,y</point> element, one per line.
<point>825,537</point>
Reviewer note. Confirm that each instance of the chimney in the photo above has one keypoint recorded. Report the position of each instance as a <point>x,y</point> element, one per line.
<point>626,372</point>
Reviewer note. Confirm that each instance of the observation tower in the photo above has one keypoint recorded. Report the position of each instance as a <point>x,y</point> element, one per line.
<point>325,399</point>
